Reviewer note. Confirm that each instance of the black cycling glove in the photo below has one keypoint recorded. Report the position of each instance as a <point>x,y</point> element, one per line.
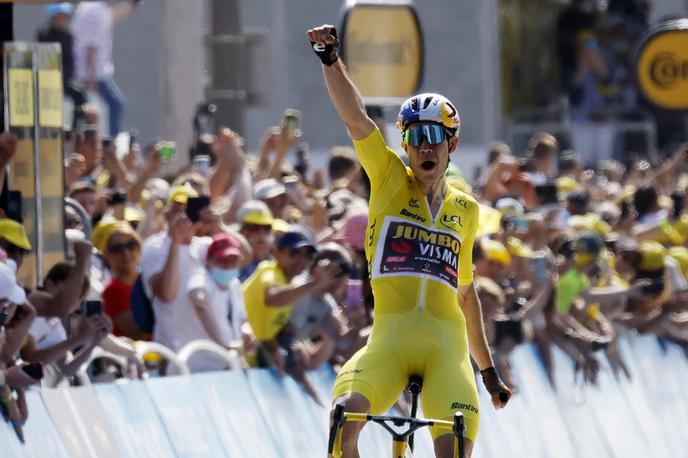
<point>494,385</point>
<point>327,53</point>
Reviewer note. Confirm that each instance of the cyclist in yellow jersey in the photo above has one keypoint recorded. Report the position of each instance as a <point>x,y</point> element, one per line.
<point>419,242</point>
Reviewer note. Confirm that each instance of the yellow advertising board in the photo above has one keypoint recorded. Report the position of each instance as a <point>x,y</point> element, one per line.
<point>662,65</point>
<point>382,46</point>
<point>50,98</point>
<point>20,95</point>
<point>34,86</point>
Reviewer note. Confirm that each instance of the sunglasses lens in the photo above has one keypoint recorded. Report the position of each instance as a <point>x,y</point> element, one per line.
<point>433,133</point>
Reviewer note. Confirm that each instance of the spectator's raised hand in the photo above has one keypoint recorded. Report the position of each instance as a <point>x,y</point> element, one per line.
<point>8,148</point>
<point>229,146</point>
<point>181,229</point>
<point>100,326</point>
<point>82,250</point>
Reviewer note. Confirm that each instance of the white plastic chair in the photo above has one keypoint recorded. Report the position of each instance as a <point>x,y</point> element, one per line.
<point>153,347</point>
<point>230,356</point>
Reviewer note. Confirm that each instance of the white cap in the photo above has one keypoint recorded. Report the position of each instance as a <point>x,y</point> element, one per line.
<point>509,206</point>
<point>9,289</point>
<point>267,189</point>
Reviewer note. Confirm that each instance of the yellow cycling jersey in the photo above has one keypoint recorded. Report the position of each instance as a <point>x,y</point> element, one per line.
<point>415,260</point>
<point>265,321</point>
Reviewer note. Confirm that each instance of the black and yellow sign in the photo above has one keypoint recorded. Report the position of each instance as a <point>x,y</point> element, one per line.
<point>382,46</point>
<point>662,65</point>
<point>34,86</point>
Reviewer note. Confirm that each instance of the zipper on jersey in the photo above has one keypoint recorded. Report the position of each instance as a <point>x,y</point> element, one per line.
<point>424,277</point>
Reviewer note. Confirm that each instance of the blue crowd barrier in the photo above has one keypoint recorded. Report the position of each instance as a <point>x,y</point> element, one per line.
<point>260,414</point>
<point>134,420</point>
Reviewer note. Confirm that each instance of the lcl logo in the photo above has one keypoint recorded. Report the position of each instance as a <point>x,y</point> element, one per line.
<point>666,70</point>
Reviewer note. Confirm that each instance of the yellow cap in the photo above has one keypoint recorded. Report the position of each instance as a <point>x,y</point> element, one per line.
<point>680,254</point>
<point>14,233</point>
<point>652,256</point>
<point>255,212</point>
<point>568,184</point>
<point>681,225</point>
<point>181,194</point>
<point>131,214</point>
<point>489,221</point>
<point>590,222</point>
<point>280,226</point>
<point>105,228</point>
<point>495,251</point>
<point>517,248</point>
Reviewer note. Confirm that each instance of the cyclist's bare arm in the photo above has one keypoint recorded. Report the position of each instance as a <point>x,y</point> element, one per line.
<point>344,95</point>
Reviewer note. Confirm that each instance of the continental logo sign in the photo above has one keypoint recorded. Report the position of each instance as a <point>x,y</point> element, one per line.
<point>383,48</point>
<point>662,65</point>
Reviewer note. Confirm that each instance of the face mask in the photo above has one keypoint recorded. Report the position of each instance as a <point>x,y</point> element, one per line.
<point>223,276</point>
<point>11,264</point>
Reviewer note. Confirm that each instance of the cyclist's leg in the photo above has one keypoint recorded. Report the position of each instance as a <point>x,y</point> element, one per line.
<point>449,387</point>
<point>444,447</point>
<point>348,447</point>
<point>369,382</point>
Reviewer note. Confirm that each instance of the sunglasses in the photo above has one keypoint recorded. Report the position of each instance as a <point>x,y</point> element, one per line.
<point>433,133</point>
<point>257,227</point>
<point>118,248</point>
<point>302,253</point>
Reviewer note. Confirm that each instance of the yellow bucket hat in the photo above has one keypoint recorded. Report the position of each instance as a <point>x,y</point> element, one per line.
<point>181,194</point>
<point>517,248</point>
<point>14,233</point>
<point>652,256</point>
<point>680,254</point>
<point>495,251</point>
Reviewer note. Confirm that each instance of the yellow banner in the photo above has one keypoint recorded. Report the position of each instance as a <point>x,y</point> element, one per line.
<point>20,88</point>
<point>50,98</point>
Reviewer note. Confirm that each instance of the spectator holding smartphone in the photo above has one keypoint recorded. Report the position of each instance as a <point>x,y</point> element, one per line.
<point>65,286</point>
<point>167,258</point>
<point>269,293</point>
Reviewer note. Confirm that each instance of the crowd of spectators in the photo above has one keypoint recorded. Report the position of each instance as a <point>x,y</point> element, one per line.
<point>265,257</point>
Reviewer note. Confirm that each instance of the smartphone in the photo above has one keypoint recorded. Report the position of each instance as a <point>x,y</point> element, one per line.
<point>354,294</point>
<point>13,207</point>
<point>202,164</point>
<point>540,268</point>
<point>108,143</point>
<point>133,135</point>
<point>194,206</point>
<point>34,370</point>
<point>653,289</point>
<point>291,121</point>
<point>167,150</point>
<point>547,194</point>
<point>117,198</point>
<point>3,318</point>
<point>93,307</point>
<point>520,224</point>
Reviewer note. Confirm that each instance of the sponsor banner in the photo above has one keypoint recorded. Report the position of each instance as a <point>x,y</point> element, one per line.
<point>382,45</point>
<point>408,249</point>
<point>662,65</point>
